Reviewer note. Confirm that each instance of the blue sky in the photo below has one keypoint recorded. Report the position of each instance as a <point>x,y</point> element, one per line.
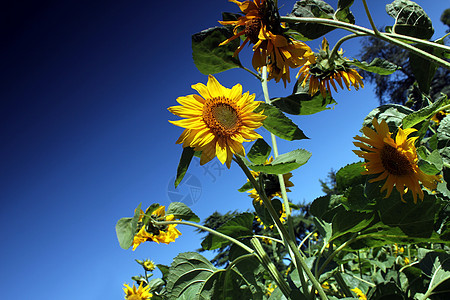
<point>84,94</point>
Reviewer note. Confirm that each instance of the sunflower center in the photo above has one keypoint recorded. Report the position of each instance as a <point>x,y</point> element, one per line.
<point>252,28</point>
<point>395,162</point>
<point>222,118</point>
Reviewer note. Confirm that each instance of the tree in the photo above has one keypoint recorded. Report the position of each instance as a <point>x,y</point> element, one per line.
<point>328,185</point>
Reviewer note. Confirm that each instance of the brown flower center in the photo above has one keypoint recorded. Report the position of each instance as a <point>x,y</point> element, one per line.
<point>252,28</point>
<point>221,117</point>
<point>395,162</point>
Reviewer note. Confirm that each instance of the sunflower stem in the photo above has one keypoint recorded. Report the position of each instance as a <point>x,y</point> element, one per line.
<point>299,262</point>
<point>212,231</point>
<point>375,30</point>
<point>359,29</point>
<point>345,38</point>
<point>251,72</point>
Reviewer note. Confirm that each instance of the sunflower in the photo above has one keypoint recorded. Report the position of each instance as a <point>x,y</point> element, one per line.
<point>142,293</point>
<point>439,116</point>
<point>396,160</point>
<point>165,234</point>
<point>218,121</point>
<point>261,26</point>
<point>148,265</point>
<point>323,71</point>
<point>359,293</point>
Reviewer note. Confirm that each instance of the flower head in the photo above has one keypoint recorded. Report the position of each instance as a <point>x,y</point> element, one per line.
<point>218,121</point>
<point>359,293</point>
<point>272,48</point>
<point>159,234</point>
<point>395,160</point>
<point>142,293</point>
<point>324,70</point>
<point>439,116</point>
<point>148,265</point>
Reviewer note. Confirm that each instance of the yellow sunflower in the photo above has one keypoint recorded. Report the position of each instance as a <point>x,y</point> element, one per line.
<point>165,235</point>
<point>261,27</point>
<point>218,121</point>
<point>322,71</point>
<point>396,160</point>
<point>148,265</point>
<point>142,293</point>
<point>359,293</point>
<point>439,116</point>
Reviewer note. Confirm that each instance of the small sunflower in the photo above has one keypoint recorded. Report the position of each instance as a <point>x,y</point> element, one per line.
<point>261,26</point>
<point>165,234</point>
<point>148,265</point>
<point>218,121</point>
<point>439,116</point>
<point>359,293</point>
<point>322,71</point>
<point>396,160</point>
<point>142,293</point>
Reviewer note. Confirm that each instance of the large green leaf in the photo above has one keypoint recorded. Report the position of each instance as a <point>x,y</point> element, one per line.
<point>343,12</point>
<point>184,163</point>
<point>410,19</point>
<point>377,66</point>
<point>311,9</point>
<point>279,124</point>
<point>437,266</point>
<point>126,228</point>
<point>239,226</point>
<point>423,69</point>
<point>182,211</point>
<point>284,163</point>
<point>326,207</point>
<point>259,152</point>
<point>393,114</point>
<point>187,273</point>
<point>209,57</point>
<point>301,103</point>
<point>443,145</point>
<point>350,175</point>
<point>425,113</point>
<point>350,222</point>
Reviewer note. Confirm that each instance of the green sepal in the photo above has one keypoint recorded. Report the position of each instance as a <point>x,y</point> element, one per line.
<point>279,124</point>
<point>283,164</point>
<point>259,152</point>
<point>126,229</point>
<point>237,227</point>
<point>183,165</point>
<point>410,19</point>
<point>181,211</point>
<point>301,103</point>
<point>377,66</point>
<point>209,57</point>
<point>148,212</point>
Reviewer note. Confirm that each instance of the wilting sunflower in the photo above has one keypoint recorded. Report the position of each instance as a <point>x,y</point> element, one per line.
<point>323,71</point>
<point>395,160</point>
<point>218,121</point>
<point>165,234</point>
<point>142,293</point>
<point>272,48</point>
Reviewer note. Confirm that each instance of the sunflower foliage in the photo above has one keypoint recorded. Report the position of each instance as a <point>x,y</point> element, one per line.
<point>382,231</point>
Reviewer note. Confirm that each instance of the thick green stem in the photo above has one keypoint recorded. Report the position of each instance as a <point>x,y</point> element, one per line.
<point>212,231</point>
<point>290,243</point>
<point>359,29</point>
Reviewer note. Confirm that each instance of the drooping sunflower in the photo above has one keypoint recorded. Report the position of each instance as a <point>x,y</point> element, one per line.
<point>218,121</point>
<point>261,26</point>
<point>141,293</point>
<point>324,70</point>
<point>165,234</point>
<point>395,160</point>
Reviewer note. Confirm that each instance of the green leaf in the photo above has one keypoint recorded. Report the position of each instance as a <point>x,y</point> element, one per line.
<point>126,228</point>
<point>259,152</point>
<point>343,12</point>
<point>440,270</point>
<point>185,161</point>
<point>246,187</point>
<point>425,113</point>
<point>350,175</point>
<point>311,9</point>
<point>356,199</point>
<point>278,124</point>
<point>423,69</point>
<point>377,66</point>
<point>410,19</point>
<point>325,229</point>
<point>393,114</point>
<point>284,163</point>
<point>301,103</point>
<point>209,57</point>
<point>187,273</point>
<point>239,226</point>
<point>326,207</point>
<point>263,213</point>
<point>431,164</point>
<point>164,271</point>
<point>182,211</point>
<point>350,221</point>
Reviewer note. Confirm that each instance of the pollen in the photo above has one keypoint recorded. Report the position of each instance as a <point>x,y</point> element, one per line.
<point>221,117</point>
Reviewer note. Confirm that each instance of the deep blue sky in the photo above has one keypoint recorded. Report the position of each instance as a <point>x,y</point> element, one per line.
<point>85,138</point>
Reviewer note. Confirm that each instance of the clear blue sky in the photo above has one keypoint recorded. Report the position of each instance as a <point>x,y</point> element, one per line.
<point>85,138</point>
